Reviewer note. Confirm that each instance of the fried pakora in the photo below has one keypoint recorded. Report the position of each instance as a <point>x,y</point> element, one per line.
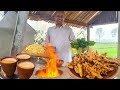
<point>93,65</point>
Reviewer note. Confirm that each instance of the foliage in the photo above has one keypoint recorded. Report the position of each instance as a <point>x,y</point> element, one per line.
<point>81,34</point>
<point>114,32</point>
<point>81,43</point>
<point>99,33</point>
<point>39,37</point>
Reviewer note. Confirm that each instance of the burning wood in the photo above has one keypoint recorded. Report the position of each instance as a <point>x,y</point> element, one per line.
<point>51,69</point>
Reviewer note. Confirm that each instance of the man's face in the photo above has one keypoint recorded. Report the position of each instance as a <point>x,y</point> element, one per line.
<point>59,18</point>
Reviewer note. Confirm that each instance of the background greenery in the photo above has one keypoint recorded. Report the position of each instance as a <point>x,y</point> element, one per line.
<point>110,48</point>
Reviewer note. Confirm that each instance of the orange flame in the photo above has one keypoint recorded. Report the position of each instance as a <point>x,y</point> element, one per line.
<point>51,70</point>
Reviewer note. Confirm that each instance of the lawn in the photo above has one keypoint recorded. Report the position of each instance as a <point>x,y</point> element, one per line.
<point>109,48</point>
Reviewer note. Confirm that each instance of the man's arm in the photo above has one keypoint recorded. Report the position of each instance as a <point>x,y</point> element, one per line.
<point>47,40</point>
<point>71,36</point>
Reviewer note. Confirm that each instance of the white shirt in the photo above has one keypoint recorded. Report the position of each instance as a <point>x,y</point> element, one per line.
<point>61,38</point>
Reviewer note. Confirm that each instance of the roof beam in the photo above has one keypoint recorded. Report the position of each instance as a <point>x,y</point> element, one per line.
<point>97,14</point>
<point>38,17</point>
<point>75,22</point>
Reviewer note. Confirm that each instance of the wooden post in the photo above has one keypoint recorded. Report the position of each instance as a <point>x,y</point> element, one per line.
<point>118,50</point>
<point>19,32</point>
<point>88,33</point>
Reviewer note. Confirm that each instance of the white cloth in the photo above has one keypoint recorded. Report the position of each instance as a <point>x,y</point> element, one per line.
<point>61,38</point>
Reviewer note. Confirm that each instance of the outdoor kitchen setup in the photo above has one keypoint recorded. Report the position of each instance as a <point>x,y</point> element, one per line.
<point>23,57</point>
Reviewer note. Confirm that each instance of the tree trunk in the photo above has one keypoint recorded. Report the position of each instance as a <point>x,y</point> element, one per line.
<point>83,50</point>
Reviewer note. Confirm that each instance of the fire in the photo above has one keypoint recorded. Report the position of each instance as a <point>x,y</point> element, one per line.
<point>51,69</point>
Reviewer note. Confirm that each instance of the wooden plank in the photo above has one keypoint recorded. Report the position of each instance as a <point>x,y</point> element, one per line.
<point>37,18</point>
<point>86,18</point>
<point>92,20</point>
<point>82,15</point>
<point>75,22</point>
<point>77,15</point>
<point>53,13</point>
<point>73,15</point>
<point>93,16</point>
<point>68,14</point>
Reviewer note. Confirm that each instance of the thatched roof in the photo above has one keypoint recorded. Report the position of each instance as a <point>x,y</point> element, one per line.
<point>105,17</point>
<point>80,19</point>
<point>73,18</point>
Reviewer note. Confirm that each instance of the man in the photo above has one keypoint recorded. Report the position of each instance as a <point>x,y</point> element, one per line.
<point>60,37</point>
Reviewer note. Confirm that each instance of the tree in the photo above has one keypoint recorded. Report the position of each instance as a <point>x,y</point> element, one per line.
<point>114,32</point>
<point>81,34</point>
<point>40,37</point>
<point>99,33</point>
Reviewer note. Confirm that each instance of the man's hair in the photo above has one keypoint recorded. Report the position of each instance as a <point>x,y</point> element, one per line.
<point>58,12</point>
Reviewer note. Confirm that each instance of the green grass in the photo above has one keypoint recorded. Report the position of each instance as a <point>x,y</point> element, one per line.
<point>109,48</point>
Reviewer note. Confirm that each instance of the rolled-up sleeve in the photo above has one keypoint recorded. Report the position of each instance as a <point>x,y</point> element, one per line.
<point>47,40</point>
<point>71,36</point>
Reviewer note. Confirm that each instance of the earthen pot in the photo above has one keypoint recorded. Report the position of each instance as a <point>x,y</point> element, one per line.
<point>8,65</point>
<point>23,56</point>
<point>25,69</point>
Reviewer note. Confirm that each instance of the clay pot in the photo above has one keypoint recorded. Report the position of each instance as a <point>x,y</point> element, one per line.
<point>8,67</point>
<point>59,63</point>
<point>25,73</point>
<point>25,57</point>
